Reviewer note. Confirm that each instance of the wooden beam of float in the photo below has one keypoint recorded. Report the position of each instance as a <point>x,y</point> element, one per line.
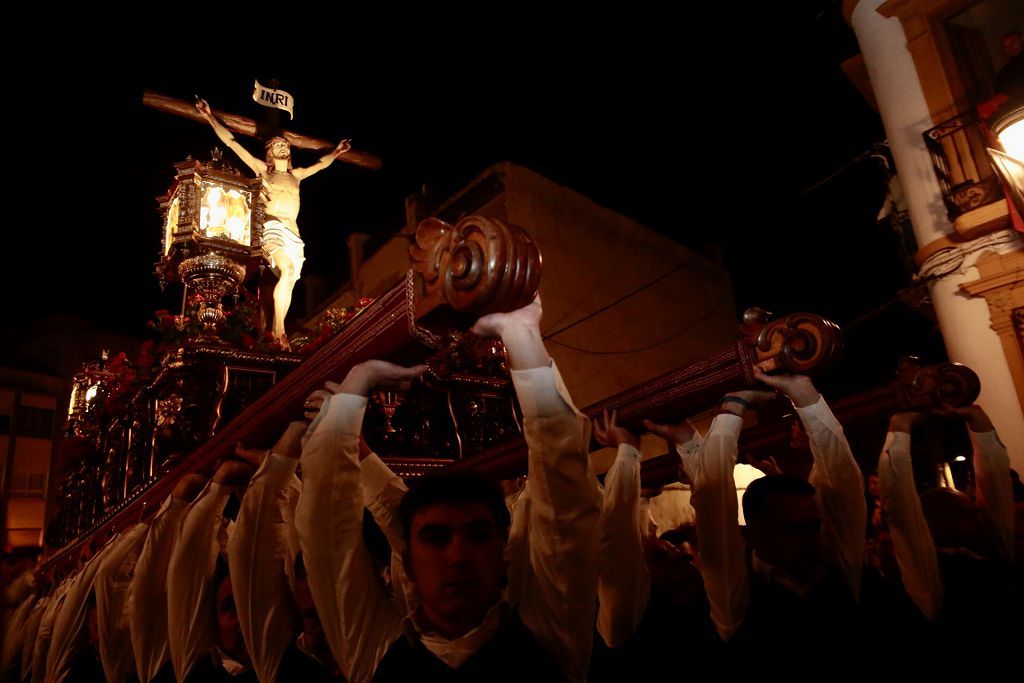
<point>246,126</point>
<point>918,388</point>
<point>798,343</point>
<point>459,272</point>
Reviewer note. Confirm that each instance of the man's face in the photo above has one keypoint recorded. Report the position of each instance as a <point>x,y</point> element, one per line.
<point>230,633</point>
<point>92,622</point>
<point>1012,45</point>
<point>456,559</point>
<point>789,535</point>
<point>307,609</point>
<point>873,489</point>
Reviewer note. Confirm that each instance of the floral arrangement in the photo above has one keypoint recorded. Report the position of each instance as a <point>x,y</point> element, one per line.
<point>333,320</point>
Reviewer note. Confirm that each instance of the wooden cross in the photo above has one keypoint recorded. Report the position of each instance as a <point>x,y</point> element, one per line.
<point>246,126</point>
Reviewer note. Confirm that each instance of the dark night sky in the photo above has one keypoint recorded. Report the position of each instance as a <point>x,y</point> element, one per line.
<point>711,144</point>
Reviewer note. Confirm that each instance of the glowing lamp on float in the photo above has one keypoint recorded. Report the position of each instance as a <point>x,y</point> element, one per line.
<point>212,217</point>
<point>89,387</point>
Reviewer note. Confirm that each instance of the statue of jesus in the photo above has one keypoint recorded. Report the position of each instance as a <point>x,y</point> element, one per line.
<point>281,237</point>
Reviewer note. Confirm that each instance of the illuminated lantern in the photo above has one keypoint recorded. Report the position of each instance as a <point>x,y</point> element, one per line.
<point>89,387</point>
<point>212,217</point>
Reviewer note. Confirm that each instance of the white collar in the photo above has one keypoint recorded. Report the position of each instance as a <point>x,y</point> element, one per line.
<point>773,574</point>
<point>456,651</point>
<point>227,662</point>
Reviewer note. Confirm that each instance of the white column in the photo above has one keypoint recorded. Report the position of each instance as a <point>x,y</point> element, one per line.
<point>963,320</point>
<point>966,328</point>
<point>904,114</point>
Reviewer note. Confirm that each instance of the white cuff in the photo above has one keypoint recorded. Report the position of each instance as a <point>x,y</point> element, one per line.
<point>726,424</point>
<point>340,414</point>
<point>690,447</point>
<point>819,411</point>
<point>375,476</point>
<point>626,450</point>
<point>900,440</point>
<point>538,392</point>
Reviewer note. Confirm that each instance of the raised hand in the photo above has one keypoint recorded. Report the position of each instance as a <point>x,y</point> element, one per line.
<point>798,388</point>
<point>766,464</point>
<point>904,422</point>
<point>973,415</point>
<point>253,456</point>
<point>608,432</point>
<point>678,433</point>
<point>377,374</point>
<point>188,487</point>
<point>315,401</point>
<point>203,107</point>
<point>234,473</point>
<point>498,324</point>
<point>520,333</point>
<point>343,146</point>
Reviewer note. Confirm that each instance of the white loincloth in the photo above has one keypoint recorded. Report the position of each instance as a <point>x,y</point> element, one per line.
<point>277,239</point>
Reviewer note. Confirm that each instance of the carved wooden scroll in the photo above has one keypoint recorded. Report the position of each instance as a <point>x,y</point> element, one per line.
<point>800,343</point>
<point>477,266</point>
<point>931,386</point>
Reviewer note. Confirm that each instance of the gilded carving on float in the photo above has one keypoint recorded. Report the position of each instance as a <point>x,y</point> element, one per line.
<point>167,410</point>
<point>211,276</point>
<point>90,385</point>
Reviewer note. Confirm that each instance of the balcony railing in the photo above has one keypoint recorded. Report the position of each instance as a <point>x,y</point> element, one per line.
<point>962,165</point>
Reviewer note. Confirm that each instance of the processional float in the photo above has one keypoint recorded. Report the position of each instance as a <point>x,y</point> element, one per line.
<point>212,389</point>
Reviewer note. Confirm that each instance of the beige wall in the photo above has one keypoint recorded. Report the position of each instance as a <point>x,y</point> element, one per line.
<point>682,309</point>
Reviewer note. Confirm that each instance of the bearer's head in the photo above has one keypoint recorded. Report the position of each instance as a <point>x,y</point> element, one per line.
<point>783,524</point>
<point>456,526</point>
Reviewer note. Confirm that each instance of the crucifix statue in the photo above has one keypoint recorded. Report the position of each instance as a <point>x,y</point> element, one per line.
<point>281,237</point>
<point>281,195</point>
